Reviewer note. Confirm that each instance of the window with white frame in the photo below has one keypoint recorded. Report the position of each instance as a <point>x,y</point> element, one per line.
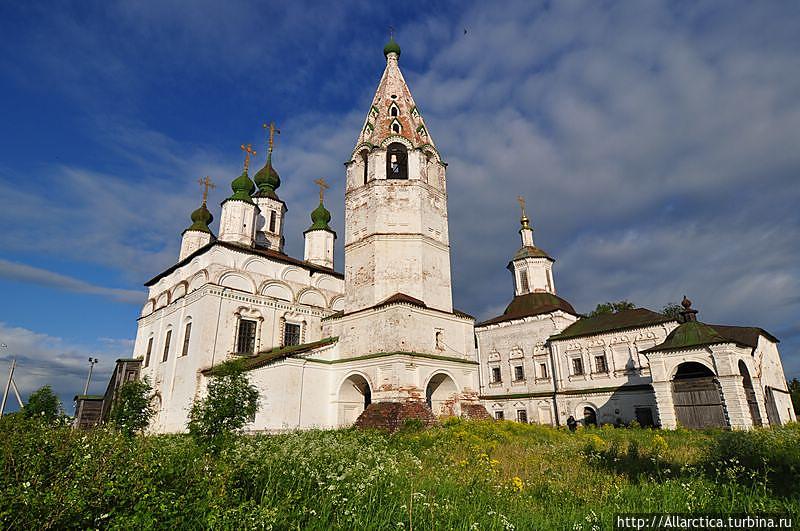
<point>577,366</point>
<point>246,336</point>
<point>600,363</point>
<point>499,415</point>
<point>496,376</point>
<point>149,351</point>
<point>519,373</point>
<point>166,346</point>
<point>543,370</point>
<point>524,286</point>
<point>291,334</point>
<point>522,416</point>
<point>187,332</point>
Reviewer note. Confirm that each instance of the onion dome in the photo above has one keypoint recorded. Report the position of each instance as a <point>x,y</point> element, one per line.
<point>320,218</point>
<point>201,219</point>
<point>267,180</point>
<point>242,188</point>
<point>391,47</point>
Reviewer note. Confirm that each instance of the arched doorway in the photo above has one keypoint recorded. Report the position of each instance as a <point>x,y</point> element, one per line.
<point>589,416</point>
<point>697,397</point>
<point>354,397</point>
<point>440,394</point>
<point>752,403</point>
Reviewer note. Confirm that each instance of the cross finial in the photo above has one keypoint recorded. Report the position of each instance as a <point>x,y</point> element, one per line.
<point>524,219</point>
<point>271,137</point>
<point>248,150</point>
<point>206,183</point>
<point>391,33</point>
<point>322,187</point>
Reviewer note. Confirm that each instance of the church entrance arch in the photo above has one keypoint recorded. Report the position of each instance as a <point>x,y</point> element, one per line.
<point>354,397</point>
<point>440,394</point>
<point>752,403</point>
<point>589,417</point>
<point>697,397</point>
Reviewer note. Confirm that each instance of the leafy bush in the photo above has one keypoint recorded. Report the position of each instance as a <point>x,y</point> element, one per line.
<point>231,401</point>
<point>43,404</point>
<point>132,408</point>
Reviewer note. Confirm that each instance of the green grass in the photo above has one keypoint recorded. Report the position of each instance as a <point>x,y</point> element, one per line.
<point>462,475</point>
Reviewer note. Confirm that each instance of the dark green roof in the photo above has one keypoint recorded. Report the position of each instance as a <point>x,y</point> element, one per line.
<point>267,180</point>
<point>390,47</point>
<point>320,217</point>
<point>692,334</point>
<point>531,304</point>
<point>608,322</point>
<point>242,188</point>
<point>530,251</point>
<point>201,219</point>
<point>265,358</point>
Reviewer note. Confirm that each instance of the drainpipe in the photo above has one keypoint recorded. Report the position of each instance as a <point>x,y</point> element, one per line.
<point>555,384</point>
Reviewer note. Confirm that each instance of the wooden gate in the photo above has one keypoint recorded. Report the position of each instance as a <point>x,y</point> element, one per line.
<point>698,403</point>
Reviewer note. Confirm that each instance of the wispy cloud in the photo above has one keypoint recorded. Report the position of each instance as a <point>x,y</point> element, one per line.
<point>43,277</point>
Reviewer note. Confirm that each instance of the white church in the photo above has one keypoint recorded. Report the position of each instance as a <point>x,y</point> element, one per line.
<point>327,349</point>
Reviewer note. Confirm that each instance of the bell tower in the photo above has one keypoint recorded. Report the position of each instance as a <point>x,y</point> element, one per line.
<point>396,233</point>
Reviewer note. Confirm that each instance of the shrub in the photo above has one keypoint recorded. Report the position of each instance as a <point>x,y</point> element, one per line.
<point>43,404</point>
<point>132,409</point>
<point>231,401</point>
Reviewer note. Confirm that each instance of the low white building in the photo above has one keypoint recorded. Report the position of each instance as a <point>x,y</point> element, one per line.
<point>322,346</point>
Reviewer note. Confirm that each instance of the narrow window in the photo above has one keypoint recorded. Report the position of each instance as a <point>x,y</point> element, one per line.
<point>498,415</point>
<point>496,375</point>
<point>396,128</point>
<point>246,340</point>
<point>272,220</point>
<point>396,161</point>
<point>149,351</point>
<point>519,373</point>
<point>166,346</point>
<point>522,416</point>
<point>577,366</point>
<point>543,370</point>
<point>186,335</point>
<point>366,167</point>
<point>600,363</point>
<point>439,340</point>
<point>291,334</point>
<point>524,287</point>
<point>393,111</point>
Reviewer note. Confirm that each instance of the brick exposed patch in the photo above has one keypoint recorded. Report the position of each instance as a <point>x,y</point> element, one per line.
<point>390,416</point>
<point>474,411</point>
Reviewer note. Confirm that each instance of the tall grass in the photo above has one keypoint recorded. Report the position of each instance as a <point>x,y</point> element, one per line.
<point>461,475</point>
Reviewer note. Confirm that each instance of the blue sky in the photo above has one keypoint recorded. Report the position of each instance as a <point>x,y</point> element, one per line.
<point>656,143</point>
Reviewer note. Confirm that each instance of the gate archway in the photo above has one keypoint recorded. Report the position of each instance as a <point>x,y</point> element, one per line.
<point>752,403</point>
<point>354,397</point>
<point>440,394</point>
<point>697,397</point>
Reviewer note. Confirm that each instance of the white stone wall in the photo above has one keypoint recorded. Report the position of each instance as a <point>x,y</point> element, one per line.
<point>264,236</point>
<point>191,241</point>
<point>213,292</point>
<point>238,222</point>
<point>319,247</point>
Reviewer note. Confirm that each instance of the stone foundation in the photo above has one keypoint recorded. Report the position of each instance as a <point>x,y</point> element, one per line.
<point>390,416</point>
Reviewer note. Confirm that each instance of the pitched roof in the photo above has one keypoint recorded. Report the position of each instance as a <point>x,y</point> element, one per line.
<point>694,334</point>
<point>259,251</point>
<point>270,356</point>
<point>531,304</point>
<point>399,298</point>
<point>531,251</point>
<point>393,91</point>
<point>608,322</point>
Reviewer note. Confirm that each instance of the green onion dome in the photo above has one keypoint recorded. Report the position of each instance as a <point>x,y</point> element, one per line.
<point>390,47</point>
<point>320,218</point>
<point>267,180</point>
<point>201,219</point>
<point>243,188</point>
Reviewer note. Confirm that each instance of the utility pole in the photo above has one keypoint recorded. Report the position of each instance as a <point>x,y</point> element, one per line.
<point>9,383</point>
<point>92,361</point>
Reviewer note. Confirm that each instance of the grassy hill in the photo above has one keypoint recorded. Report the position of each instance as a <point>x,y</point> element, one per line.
<point>462,475</point>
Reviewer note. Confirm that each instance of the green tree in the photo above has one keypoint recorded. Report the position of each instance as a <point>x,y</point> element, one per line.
<point>43,404</point>
<point>673,310</point>
<point>230,403</point>
<point>794,389</point>
<point>132,409</point>
<point>611,307</point>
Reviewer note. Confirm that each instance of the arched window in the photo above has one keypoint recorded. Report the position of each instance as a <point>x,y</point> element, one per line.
<point>396,127</point>
<point>393,110</point>
<point>396,161</point>
<point>366,167</point>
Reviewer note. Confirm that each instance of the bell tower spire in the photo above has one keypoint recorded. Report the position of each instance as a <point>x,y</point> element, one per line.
<point>532,268</point>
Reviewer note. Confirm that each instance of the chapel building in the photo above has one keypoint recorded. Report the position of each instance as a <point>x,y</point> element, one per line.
<point>381,342</point>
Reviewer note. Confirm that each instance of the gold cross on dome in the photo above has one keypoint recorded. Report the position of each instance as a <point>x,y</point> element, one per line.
<point>322,187</point>
<point>248,150</point>
<point>521,201</point>
<point>391,33</point>
<point>206,183</point>
<point>271,137</point>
